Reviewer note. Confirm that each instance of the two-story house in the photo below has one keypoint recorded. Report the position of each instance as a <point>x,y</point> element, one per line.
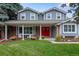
<point>40,24</point>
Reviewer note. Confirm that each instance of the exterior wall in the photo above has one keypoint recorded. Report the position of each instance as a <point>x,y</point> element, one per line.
<point>63,16</point>
<point>20,34</point>
<point>2,32</point>
<point>39,16</point>
<point>58,29</point>
<point>53,31</point>
<point>37,30</point>
<point>23,14</point>
<point>11,31</point>
<point>27,15</point>
<point>78,29</point>
<point>69,34</point>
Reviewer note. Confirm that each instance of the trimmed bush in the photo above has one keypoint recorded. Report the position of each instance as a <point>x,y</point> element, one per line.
<point>43,37</point>
<point>58,37</point>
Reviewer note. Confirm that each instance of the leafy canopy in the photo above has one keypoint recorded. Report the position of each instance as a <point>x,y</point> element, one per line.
<point>74,7</point>
<point>11,9</point>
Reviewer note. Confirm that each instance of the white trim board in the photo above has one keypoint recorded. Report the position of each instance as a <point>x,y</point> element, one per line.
<point>70,24</point>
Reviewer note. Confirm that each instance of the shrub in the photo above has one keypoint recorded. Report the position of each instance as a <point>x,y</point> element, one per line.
<point>43,37</point>
<point>62,37</point>
<point>13,39</point>
<point>58,37</point>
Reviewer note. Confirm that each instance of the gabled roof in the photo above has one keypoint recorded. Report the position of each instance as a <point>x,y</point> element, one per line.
<point>68,20</point>
<point>27,8</point>
<point>56,9</point>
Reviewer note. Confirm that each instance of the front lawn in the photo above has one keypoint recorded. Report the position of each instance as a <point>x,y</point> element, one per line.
<point>38,48</point>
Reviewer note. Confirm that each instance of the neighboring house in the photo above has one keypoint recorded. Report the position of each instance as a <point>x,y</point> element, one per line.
<point>40,24</point>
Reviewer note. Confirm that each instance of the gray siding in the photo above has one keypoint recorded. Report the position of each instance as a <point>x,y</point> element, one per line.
<point>27,15</point>
<point>40,16</point>
<point>53,31</point>
<point>63,16</point>
<point>53,15</point>
<point>68,34</point>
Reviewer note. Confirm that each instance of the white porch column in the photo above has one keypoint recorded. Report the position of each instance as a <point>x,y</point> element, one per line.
<point>40,33</point>
<point>22,32</point>
<point>5,32</point>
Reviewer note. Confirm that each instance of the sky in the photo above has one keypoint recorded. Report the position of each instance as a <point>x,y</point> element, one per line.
<point>45,6</point>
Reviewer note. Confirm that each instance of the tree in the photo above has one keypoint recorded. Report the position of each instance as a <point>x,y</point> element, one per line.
<point>74,7</point>
<point>11,9</point>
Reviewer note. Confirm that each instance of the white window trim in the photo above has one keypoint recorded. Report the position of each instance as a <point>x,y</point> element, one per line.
<point>70,32</point>
<point>24,33</point>
<point>47,16</point>
<point>32,14</point>
<point>22,14</point>
<point>31,33</point>
<point>57,15</point>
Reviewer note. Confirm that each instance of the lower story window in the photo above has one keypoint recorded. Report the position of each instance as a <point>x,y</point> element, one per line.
<point>69,28</point>
<point>20,30</point>
<point>28,30</point>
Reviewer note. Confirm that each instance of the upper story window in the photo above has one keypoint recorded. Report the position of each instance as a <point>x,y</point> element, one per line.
<point>32,16</point>
<point>48,16</point>
<point>69,28</point>
<point>22,17</point>
<point>58,16</point>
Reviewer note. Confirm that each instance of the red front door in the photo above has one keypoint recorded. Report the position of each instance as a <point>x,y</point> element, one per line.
<point>46,31</point>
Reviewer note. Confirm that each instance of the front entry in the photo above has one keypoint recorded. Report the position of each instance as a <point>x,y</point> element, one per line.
<point>46,31</point>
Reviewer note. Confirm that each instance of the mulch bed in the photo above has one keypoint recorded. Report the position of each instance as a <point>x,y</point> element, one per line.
<point>70,40</point>
<point>7,41</point>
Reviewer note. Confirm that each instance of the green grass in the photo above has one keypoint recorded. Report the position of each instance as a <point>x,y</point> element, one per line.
<point>38,48</point>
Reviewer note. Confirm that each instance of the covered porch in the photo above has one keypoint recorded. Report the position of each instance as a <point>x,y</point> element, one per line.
<point>38,31</point>
<point>2,31</point>
<point>28,30</point>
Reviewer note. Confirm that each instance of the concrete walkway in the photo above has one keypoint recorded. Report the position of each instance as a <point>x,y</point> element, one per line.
<point>63,42</point>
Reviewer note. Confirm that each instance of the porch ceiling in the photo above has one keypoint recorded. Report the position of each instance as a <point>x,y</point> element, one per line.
<point>35,22</point>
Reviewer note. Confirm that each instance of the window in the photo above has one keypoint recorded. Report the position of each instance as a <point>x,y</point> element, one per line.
<point>22,17</point>
<point>32,16</point>
<point>69,28</point>
<point>73,28</point>
<point>20,30</point>
<point>49,16</point>
<point>65,28</point>
<point>58,16</point>
<point>28,30</point>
